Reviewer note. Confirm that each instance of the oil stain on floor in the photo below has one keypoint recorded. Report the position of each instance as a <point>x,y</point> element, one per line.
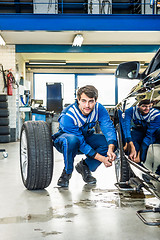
<point>107,198</point>
<point>31,218</point>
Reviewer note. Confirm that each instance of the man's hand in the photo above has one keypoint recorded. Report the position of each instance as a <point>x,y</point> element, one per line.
<point>111,156</point>
<point>125,148</point>
<point>107,162</point>
<point>132,150</point>
<point>137,159</point>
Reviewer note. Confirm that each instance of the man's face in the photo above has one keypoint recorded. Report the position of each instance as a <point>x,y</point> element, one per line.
<point>86,104</point>
<point>145,108</point>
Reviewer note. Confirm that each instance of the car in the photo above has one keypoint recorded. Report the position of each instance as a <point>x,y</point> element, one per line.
<point>130,175</point>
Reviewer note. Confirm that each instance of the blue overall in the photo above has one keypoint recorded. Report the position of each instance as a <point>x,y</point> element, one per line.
<point>76,135</point>
<point>143,130</point>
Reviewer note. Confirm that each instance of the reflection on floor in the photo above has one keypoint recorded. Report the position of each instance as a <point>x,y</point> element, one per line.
<point>80,212</point>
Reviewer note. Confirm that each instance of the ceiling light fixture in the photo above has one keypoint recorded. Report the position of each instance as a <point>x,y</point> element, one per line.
<point>114,63</point>
<point>2,42</point>
<point>78,40</point>
<point>47,62</point>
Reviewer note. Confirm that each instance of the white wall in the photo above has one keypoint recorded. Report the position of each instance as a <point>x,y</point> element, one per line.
<point>15,63</point>
<point>7,59</point>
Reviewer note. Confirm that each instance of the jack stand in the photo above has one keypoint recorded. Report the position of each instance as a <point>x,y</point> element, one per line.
<point>123,186</point>
<point>154,210</point>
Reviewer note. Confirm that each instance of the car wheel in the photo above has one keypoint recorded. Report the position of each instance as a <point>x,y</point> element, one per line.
<point>122,168</point>
<point>4,130</point>
<point>4,138</point>
<point>4,112</point>
<point>3,97</point>
<point>36,155</point>
<point>4,121</point>
<point>4,105</point>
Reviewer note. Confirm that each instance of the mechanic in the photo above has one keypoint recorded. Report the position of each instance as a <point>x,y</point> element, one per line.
<point>141,128</point>
<point>76,136</point>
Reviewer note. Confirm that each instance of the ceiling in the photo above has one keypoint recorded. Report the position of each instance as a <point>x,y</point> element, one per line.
<point>90,38</point>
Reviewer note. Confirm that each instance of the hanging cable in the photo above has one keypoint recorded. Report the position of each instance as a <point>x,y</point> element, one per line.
<point>90,7</point>
<point>104,2</point>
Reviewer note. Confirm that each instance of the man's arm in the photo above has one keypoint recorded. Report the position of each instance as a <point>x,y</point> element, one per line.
<point>111,156</point>
<point>129,146</point>
<point>152,127</point>
<point>127,124</point>
<point>132,151</point>
<point>106,125</point>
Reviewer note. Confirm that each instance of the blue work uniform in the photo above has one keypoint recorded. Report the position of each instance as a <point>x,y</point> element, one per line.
<point>76,135</point>
<point>142,130</point>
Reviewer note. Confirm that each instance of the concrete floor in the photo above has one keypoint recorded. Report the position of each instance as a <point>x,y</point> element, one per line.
<point>99,212</point>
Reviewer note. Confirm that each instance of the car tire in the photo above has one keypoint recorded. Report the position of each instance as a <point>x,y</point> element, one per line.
<point>4,105</point>
<point>3,98</point>
<point>4,138</point>
<point>36,155</point>
<point>4,121</point>
<point>122,168</point>
<point>4,130</point>
<point>4,112</point>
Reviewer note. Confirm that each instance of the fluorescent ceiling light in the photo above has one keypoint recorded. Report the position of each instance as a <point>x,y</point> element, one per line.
<point>113,63</point>
<point>77,41</point>
<point>47,62</point>
<point>2,42</point>
<point>116,63</point>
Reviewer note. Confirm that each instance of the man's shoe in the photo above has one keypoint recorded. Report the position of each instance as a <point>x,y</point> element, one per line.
<point>83,169</point>
<point>63,181</point>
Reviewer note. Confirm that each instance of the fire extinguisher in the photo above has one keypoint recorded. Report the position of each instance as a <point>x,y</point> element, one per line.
<point>9,84</point>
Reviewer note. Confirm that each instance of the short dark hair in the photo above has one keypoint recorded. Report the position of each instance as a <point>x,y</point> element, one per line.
<point>89,90</point>
<point>145,101</point>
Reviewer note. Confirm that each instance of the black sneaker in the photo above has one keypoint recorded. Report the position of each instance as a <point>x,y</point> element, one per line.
<point>63,181</point>
<point>83,169</point>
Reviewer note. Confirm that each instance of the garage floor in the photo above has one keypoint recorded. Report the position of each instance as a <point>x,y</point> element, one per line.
<point>80,212</point>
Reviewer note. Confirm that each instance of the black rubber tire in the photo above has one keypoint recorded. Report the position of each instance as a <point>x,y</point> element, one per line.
<point>4,112</point>
<point>36,155</point>
<point>4,105</point>
<point>123,171</point>
<point>4,138</point>
<point>3,97</point>
<point>4,130</point>
<point>4,121</point>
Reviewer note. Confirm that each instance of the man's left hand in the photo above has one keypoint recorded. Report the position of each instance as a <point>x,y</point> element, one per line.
<point>111,156</point>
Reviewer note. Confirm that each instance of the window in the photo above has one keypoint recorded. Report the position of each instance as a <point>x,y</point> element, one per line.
<point>104,83</point>
<point>124,87</point>
<point>68,81</point>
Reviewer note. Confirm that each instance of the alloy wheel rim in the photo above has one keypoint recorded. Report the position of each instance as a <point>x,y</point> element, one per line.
<point>24,155</point>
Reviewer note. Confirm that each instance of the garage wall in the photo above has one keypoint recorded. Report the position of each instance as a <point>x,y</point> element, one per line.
<point>7,59</point>
<point>15,63</point>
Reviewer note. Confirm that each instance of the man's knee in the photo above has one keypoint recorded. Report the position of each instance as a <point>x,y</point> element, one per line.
<point>102,145</point>
<point>98,141</point>
<point>72,141</point>
<point>67,141</point>
<point>93,164</point>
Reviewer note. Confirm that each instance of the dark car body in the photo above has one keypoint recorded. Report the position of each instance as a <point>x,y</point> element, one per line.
<point>130,174</point>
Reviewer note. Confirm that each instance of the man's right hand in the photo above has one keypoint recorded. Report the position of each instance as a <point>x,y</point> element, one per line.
<point>107,162</point>
<point>132,150</point>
